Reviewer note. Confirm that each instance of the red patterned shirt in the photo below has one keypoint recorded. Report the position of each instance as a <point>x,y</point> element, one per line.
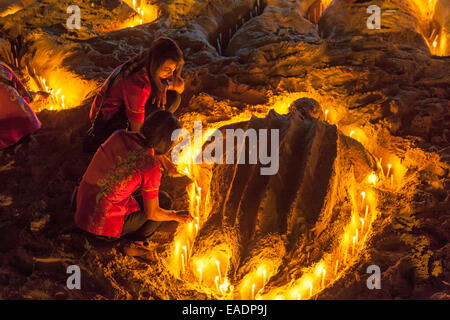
<point>119,167</point>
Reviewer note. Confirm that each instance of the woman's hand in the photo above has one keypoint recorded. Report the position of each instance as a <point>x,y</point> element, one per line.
<point>160,97</point>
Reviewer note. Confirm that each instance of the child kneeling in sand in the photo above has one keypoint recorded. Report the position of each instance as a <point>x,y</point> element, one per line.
<point>125,162</point>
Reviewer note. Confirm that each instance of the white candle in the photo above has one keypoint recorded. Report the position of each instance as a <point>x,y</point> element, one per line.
<point>182,263</point>
<point>353,246</point>
<point>363,194</point>
<point>218,269</point>
<point>323,278</point>
<point>200,274</point>
<point>326,114</point>
<point>216,280</point>
<point>345,253</point>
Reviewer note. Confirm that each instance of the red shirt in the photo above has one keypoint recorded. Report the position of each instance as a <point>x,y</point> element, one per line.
<point>131,92</point>
<point>119,167</point>
<point>17,119</point>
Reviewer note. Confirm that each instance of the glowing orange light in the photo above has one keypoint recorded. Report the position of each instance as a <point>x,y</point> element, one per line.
<point>353,247</point>
<point>182,263</point>
<point>373,178</point>
<point>323,278</point>
<point>253,291</point>
<point>389,169</point>
<point>218,269</point>
<point>310,288</point>
<point>216,280</point>
<point>200,272</point>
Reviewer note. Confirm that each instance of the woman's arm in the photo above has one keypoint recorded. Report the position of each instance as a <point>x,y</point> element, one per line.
<point>135,126</point>
<point>155,213</point>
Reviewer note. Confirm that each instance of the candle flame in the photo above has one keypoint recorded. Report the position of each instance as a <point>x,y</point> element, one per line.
<point>200,273</point>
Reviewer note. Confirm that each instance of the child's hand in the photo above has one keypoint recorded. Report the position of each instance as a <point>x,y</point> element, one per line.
<point>183,216</point>
<point>40,95</point>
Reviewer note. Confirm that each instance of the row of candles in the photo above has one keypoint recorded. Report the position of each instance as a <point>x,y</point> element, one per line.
<point>56,98</point>
<point>357,232</point>
<point>353,241</point>
<point>140,12</point>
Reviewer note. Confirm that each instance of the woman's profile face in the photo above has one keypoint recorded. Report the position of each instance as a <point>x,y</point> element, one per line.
<point>167,69</point>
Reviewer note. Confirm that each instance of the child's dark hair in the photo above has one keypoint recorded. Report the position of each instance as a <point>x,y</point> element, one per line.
<point>157,130</point>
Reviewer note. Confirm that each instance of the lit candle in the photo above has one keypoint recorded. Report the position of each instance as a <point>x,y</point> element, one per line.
<point>326,114</point>
<point>140,21</point>
<point>200,274</point>
<point>253,291</point>
<point>299,296</point>
<point>310,288</point>
<point>189,248</point>
<point>351,133</point>
<point>218,269</point>
<point>434,44</point>
<point>367,210</point>
<point>264,277</point>
<point>216,280</point>
<point>185,253</point>
<point>362,225</point>
<point>323,278</point>
<point>345,253</point>
<point>196,228</point>
<point>353,246</point>
<point>373,178</point>
<point>182,263</point>
<point>134,4</point>
<point>389,169</point>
